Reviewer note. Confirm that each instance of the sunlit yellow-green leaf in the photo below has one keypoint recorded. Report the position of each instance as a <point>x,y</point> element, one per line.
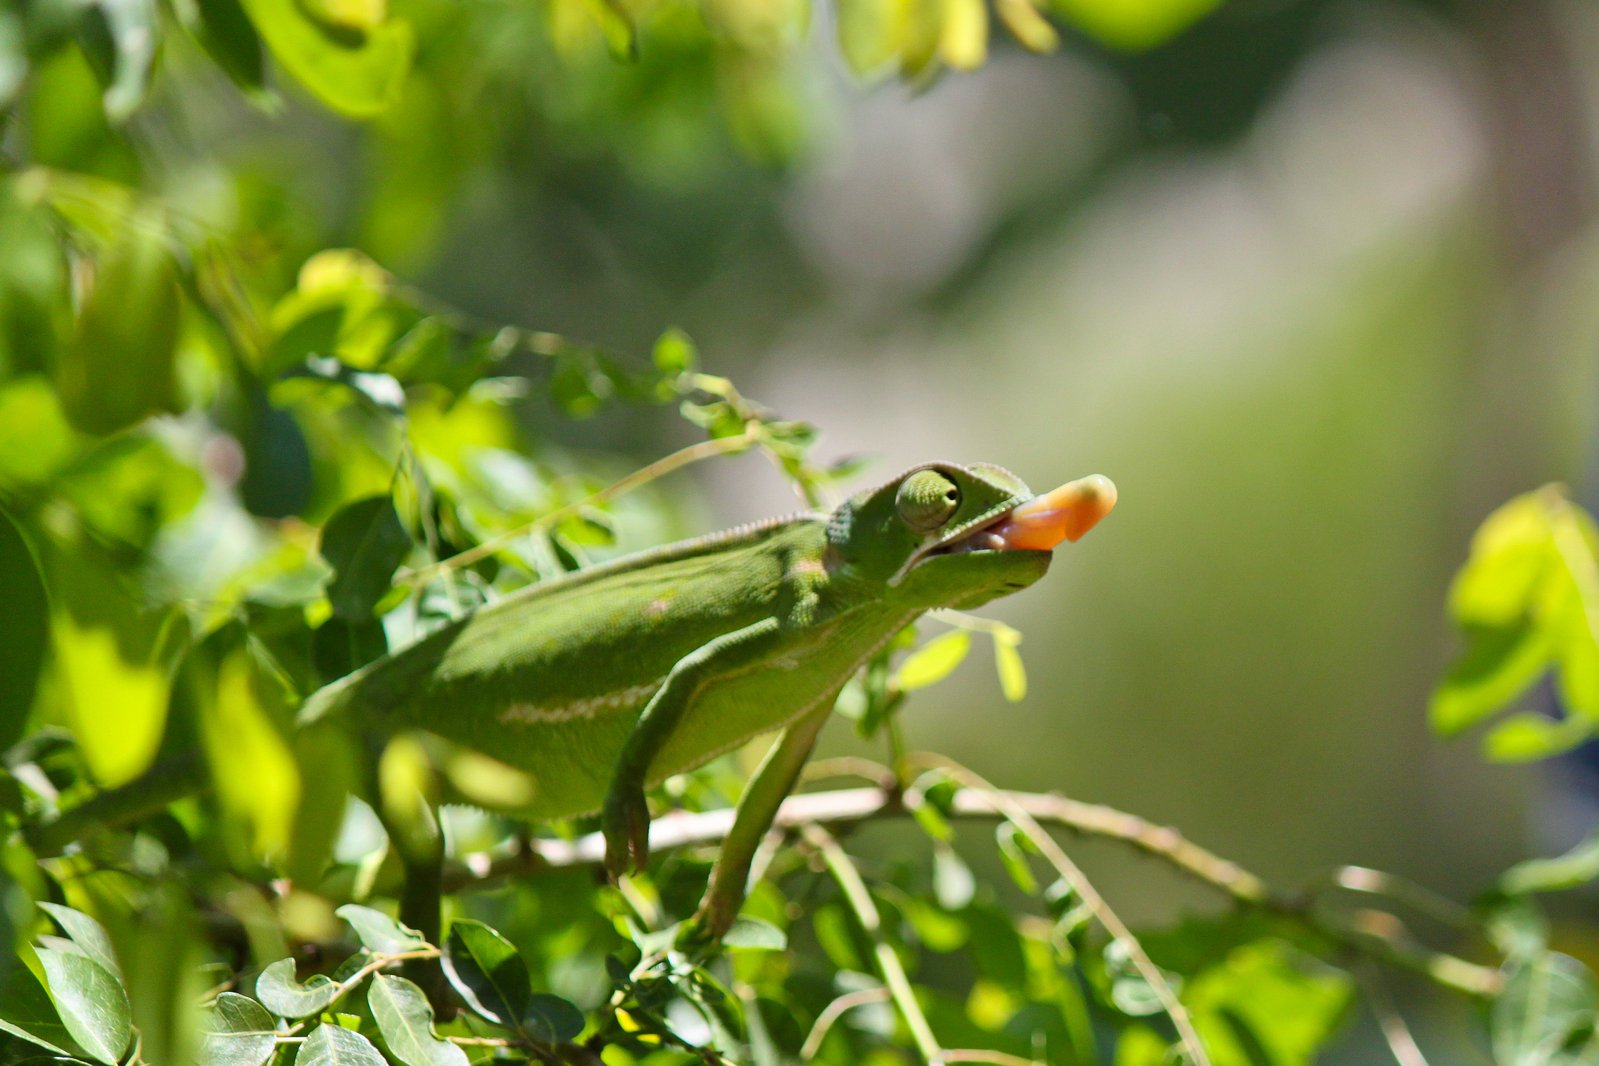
<point>934,661</point>
<point>1008,663</point>
<point>963,41</point>
<point>358,74</point>
<point>118,704</point>
<point>349,14</point>
<point>1498,666</point>
<point>254,770</point>
<point>1133,25</point>
<point>1511,553</point>
<point>1527,736</point>
<point>870,32</point>
<point>1025,24</point>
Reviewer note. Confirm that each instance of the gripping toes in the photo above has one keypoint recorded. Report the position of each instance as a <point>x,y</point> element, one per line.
<point>626,823</point>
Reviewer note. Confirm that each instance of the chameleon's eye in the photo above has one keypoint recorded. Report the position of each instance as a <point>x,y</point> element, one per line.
<point>926,499</point>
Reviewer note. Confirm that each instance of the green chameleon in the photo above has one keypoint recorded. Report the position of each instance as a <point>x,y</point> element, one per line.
<point>603,683</point>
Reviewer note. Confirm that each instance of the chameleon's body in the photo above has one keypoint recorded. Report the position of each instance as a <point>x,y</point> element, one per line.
<point>511,681</point>
<point>601,683</point>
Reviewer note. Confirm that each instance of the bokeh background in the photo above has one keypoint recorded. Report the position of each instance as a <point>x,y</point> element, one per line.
<point>1316,282</point>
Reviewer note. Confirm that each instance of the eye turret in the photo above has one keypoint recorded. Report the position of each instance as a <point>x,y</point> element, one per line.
<point>926,500</point>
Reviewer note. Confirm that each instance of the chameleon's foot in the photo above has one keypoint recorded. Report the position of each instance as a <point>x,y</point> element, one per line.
<point>626,824</point>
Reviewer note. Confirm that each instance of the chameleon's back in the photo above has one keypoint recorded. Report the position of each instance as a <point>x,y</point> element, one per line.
<point>551,679</point>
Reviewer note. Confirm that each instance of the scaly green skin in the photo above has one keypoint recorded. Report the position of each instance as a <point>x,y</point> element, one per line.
<point>600,684</point>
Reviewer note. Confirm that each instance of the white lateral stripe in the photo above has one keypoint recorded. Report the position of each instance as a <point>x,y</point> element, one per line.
<point>583,708</point>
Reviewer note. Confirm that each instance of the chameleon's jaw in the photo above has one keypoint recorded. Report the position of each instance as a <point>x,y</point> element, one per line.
<point>1041,523</point>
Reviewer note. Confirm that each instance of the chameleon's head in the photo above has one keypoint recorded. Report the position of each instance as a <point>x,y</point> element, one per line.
<point>943,535</point>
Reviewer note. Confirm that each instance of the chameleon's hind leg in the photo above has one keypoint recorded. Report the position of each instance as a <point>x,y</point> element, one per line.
<point>757,807</point>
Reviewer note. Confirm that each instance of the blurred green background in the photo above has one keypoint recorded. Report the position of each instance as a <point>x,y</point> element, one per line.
<point>1314,282</point>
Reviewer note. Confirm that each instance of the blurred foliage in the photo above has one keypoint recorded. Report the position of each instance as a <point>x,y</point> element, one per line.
<point>239,459</point>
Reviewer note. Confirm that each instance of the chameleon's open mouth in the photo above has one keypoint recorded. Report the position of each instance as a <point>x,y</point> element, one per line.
<point>1044,521</point>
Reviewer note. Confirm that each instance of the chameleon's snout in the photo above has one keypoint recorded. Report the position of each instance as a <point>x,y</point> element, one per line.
<point>1065,513</point>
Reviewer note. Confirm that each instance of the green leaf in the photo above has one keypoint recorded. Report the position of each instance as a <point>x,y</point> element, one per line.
<point>251,761</point>
<point>405,1018</point>
<point>117,368</point>
<point>1025,24</point>
<point>953,883</point>
<point>239,1032</point>
<point>963,39</point>
<point>378,932</point>
<point>87,933</point>
<point>1527,736</point>
<point>1498,666</point>
<point>356,74</point>
<point>1267,1001</point>
<point>1014,848</point>
<point>27,615</point>
<point>1008,664</point>
<point>332,1045</point>
<point>1576,867</point>
<point>225,31</point>
<point>364,542</point>
<point>753,934</point>
<point>1546,1001</point>
<point>934,661</point>
<point>869,32</point>
<point>674,353</point>
<point>551,1019</point>
<point>92,1005</point>
<point>287,997</point>
<point>616,25</point>
<point>26,1012</point>
<point>485,968</point>
<point>118,691</point>
<point>1133,25</point>
<point>120,38</point>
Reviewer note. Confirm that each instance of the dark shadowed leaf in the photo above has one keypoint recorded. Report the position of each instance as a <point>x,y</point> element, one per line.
<point>287,997</point>
<point>364,543</point>
<point>26,1012</point>
<point>485,968</point>
<point>27,615</point>
<point>405,1018</point>
<point>225,31</point>
<point>333,1045</point>
<point>91,1002</point>
<point>239,1032</point>
<point>378,932</point>
<point>551,1019</point>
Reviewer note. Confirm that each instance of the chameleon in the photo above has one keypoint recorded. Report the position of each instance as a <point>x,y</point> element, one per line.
<point>603,683</point>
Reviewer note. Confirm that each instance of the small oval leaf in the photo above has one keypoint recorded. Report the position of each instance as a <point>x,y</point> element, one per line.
<point>935,660</point>
<point>93,1007</point>
<point>239,1032</point>
<point>332,1045</point>
<point>288,998</point>
<point>380,933</point>
<point>405,1018</point>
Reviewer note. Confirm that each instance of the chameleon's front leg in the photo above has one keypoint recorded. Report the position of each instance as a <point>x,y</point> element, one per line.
<point>626,817</point>
<point>757,807</point>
